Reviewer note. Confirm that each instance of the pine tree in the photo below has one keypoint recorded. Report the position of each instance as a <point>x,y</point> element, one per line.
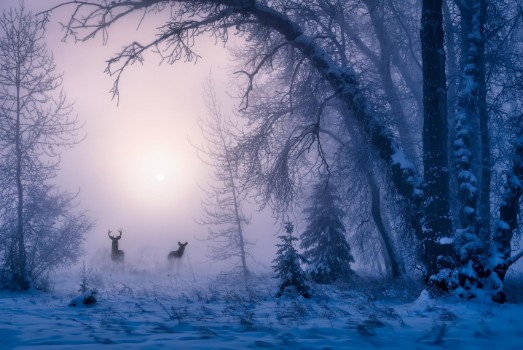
<point>326,247</point>
<point>287,266</point>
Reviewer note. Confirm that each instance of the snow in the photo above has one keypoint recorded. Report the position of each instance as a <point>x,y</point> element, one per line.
<point>445,240</point>
<point>468,210</point>
<point>399,157</point>
<point>161,309</point>
<point>468,269</point>
<point>502,225</point>
<point>515,183</point>
<point>86,298</point>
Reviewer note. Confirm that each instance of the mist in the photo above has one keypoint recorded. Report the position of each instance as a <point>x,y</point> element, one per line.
<point>337,118</point>
<point>137,168</point>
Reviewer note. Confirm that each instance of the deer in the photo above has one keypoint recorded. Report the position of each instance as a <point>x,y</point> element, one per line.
<point>177,254</point>
<point>116,254</point>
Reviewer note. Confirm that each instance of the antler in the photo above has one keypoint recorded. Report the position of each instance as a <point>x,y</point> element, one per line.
<point>109,234</point>
<point>120,231</point>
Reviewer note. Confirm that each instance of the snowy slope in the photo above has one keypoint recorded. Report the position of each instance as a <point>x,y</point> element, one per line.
<point>140,309</point>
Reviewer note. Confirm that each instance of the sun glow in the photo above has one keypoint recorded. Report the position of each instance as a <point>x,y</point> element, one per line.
<point>160,166</point>
<point>160,177</point>
<point>152,177</point>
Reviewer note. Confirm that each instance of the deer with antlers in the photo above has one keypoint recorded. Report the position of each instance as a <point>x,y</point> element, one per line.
<point>116,254</point>
<point>177,254</point>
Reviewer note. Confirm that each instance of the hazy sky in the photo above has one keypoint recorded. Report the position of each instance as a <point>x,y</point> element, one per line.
<point>137,170</point>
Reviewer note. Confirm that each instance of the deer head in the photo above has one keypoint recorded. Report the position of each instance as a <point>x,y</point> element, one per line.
<point>177,253</point>
<point>114,238</point>
<point>116,254</point>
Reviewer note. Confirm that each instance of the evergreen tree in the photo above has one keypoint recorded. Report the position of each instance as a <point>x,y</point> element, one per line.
<point>326,247</point>
<point>287,266</point>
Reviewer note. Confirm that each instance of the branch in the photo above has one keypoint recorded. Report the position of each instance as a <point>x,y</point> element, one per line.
<point>514,258</point>
<point>250,76</point>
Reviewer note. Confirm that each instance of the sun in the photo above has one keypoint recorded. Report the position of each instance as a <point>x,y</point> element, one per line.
<point>154,177</point>
<point>160,177</point>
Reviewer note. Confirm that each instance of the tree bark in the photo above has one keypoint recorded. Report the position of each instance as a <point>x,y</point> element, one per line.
<point>507,223</point>
<point>391,258</point>
<point>20,277</point>
<point>237,215</point>
<point>485,160</point>
<point>453,74</point>
<point>481,140</point>
<point>469,248</point>
<point>435,134</point>
<point>383,63</point>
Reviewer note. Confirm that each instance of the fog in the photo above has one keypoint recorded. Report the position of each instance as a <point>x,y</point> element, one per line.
<point>136,169</point>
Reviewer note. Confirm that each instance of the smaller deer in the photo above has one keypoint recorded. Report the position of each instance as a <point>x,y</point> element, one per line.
<point>176,254</point>
<point>116,254</point>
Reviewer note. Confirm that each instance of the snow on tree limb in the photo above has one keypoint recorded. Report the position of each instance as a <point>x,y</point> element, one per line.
<point>468,246</point>
<point>500,255</point>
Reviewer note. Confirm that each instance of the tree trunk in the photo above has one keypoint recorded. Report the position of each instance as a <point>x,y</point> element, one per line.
<point>481,139</point>
<point>453,74</point>
<point>508,222</point>
<point>239,227</point>
<point>435,131</point>
<point>383,65</point>
<point>20,274</point>
<point>469,247</point>
<point>484,161</point>
<point>390,257</point>
<point>237,211</point>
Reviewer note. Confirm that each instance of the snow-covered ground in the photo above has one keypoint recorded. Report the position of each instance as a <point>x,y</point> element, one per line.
<point>169,309</point>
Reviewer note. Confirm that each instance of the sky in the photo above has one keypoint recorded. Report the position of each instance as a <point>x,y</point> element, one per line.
<point>137,169</point>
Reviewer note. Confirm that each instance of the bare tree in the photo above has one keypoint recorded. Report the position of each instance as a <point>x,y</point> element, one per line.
<point>223,204</point>
<point>274,32</point>
<point>54,232</point>
<point>36,125</point>
<point>284,44</point>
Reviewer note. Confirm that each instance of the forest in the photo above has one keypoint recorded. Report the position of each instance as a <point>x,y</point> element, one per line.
<point>386,138</point>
